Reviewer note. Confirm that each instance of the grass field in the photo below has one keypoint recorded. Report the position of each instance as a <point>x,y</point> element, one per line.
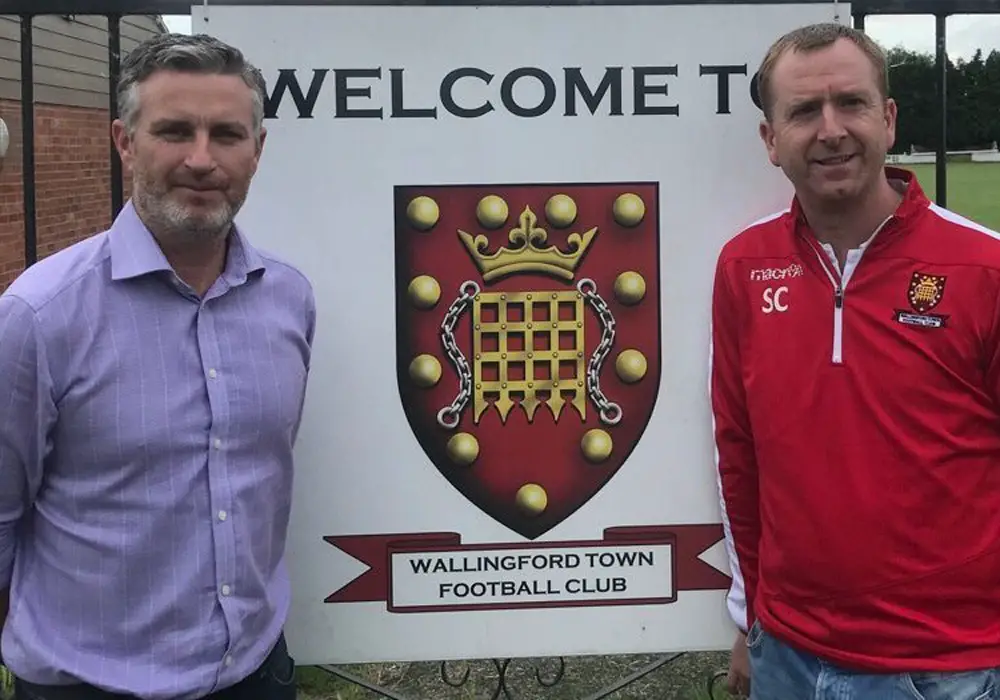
<point>973,190</point>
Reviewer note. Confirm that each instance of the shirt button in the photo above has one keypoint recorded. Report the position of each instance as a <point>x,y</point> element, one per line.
<point>222,515</point>
<point>218,443</point>
<point>228,661</point>
<point>225,590</point>
<point>212,373</point>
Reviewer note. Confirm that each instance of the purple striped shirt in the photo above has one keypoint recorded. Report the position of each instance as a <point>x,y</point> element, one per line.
<point>146,464</point>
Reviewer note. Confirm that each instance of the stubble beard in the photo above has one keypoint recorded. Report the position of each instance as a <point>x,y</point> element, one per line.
<point>175,224</point>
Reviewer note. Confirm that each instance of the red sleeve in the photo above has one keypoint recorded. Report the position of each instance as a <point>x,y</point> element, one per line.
<point>735,458</point>
<point>993,355</point>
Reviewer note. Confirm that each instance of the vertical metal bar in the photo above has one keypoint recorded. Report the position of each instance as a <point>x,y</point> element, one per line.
<point>114,70</point>
<point>28,140</point>
<point>942,85</point>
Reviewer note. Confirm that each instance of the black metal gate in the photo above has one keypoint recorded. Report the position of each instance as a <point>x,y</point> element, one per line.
<point>114,10</point>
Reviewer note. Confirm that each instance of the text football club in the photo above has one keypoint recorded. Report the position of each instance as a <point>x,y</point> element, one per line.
<point>528,364</point>
<point>435,572</point>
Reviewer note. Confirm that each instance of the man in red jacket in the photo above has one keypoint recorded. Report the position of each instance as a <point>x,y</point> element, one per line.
<point>856,397</point>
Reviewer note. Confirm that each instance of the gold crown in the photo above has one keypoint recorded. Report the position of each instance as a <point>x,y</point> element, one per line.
<point>528,254</point>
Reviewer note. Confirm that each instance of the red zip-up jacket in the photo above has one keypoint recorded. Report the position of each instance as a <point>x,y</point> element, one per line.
<point>857,429</point>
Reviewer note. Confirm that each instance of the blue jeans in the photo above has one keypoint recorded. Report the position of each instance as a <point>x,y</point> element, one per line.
<point>781,672</point>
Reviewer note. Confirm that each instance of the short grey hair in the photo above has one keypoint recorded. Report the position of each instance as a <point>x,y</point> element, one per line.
<point>199,53</point>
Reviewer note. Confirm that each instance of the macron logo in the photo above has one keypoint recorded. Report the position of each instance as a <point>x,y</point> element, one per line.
<point>767,274</point>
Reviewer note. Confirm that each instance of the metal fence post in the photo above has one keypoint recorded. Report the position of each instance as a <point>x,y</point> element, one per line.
<point>942,86</point>
<point>114,70</point>
<point>28,140</point>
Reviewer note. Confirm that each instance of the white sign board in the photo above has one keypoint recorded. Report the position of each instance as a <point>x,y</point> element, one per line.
<point>511,217</point>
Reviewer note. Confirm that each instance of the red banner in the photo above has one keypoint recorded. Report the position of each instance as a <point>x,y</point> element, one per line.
<point>687,572</point>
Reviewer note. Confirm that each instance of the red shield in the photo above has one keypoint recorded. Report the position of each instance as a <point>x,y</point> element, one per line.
<point>926,291</point>
<point>528,331</point>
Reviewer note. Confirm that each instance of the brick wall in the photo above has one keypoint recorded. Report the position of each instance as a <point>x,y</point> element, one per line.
<point>72,181</point>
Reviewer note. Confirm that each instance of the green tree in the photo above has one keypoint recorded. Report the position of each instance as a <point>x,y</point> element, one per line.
<point>912,86</point>
<point>973,100</point>
<point>989,97</point>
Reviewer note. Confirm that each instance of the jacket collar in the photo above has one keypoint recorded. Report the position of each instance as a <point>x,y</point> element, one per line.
<point>914,203</point>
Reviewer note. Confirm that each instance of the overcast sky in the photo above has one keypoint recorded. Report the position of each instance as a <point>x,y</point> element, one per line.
<point>965,33</point>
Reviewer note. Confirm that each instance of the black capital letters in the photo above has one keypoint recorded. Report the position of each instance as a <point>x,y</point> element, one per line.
<point>612,81</point>
<point>548,96</point>
<point>343,92</point>
<point>641,90</point>
<point>398,110</point>
<point>723,82</point>
<point>287,80</point>
<point>448,100</point>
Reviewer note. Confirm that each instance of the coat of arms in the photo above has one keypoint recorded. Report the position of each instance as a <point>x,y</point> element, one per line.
<point>925,291</point>
<point>528,335</point>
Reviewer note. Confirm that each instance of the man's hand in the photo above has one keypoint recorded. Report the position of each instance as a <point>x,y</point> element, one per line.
<point>738,678</point>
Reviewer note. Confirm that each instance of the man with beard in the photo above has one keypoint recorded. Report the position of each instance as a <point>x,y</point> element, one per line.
<point>856,396</point>
<point>151,384</point>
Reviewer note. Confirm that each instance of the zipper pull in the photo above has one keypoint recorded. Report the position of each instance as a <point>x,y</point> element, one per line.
<point>838,297</point>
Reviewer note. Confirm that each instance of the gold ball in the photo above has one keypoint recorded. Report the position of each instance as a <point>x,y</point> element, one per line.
<point>560,210</point>
<point>423,213</point>
<point>532,499</point>
<point>630,366</point>
<point>629,209</point>
<point>630,288</point>
<point>424,291</point>
<point>596,445</point>
<point>463,449</point>
<point>425,370</point>
<point>492,211</point>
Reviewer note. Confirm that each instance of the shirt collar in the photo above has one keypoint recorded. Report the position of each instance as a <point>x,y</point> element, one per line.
<point>135,252</point>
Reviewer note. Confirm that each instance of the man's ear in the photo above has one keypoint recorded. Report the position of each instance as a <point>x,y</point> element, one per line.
<point>767,136</point>
<point>891,114</point>
<point>123,142</point>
